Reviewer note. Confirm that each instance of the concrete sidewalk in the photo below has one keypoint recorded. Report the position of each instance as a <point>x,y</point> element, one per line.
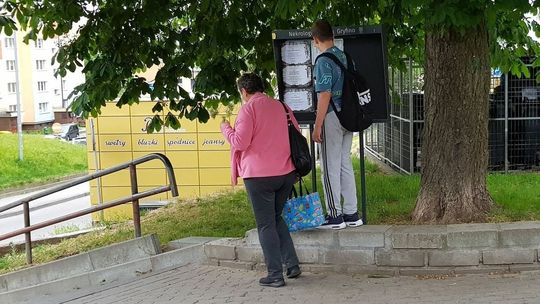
<point>209,284</point>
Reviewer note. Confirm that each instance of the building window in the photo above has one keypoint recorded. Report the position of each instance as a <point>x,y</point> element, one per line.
<point>43,107</point>
<point>53,50</point>
<point>40,64</point>
<point>39,43</point>
<point>41,86</point>
<point>13,108</point>
<point>56,92</point>
<point>12,87</point>
<point>10,65</point>
<point>63,85</point>
<point>10,42</point>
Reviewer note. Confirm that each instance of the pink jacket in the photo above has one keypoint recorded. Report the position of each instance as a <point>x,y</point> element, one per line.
<point>260,139</point>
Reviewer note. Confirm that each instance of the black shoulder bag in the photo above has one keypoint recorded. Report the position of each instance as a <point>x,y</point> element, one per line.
<point>300,155</point>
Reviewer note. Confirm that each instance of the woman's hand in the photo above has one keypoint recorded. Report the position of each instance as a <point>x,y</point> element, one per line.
<point>225,123</point>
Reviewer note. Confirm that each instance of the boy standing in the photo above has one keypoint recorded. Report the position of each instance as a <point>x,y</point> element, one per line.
<point>335,141</point>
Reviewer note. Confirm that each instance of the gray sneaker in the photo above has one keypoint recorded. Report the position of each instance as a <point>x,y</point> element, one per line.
<point>352,220</point>
<point>335,223</point>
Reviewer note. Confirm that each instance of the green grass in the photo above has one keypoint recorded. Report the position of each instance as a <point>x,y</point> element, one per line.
<point>44,160</point>
<point>65,229</point>
<point>517,197</point>
<point>223,214</point>
<point>390,199</point>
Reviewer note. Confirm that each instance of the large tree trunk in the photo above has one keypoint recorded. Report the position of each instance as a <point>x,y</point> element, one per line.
<point>454,152</point>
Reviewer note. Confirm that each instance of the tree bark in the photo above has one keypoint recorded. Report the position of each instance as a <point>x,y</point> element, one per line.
<point>454,152</point>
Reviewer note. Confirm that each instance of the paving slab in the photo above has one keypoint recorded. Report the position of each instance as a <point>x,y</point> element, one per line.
<point>417,237</point>
<point>463,236</point>
<point>509,256</point>
<point>189,241</point>
<point>520,234</point>
<point>364,236</point>
<point>209,284</point>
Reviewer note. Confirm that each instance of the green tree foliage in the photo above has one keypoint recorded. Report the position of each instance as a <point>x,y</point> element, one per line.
<point>115,39</point>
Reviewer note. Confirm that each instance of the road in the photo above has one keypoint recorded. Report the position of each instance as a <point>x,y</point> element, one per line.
<point>54,205</point>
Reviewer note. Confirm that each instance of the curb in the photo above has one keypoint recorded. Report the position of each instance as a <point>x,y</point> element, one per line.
<point>19,190</point>
<point>98,269</point>
<point>401,250</point>
<point>94,260</point>
<point>70,288</point>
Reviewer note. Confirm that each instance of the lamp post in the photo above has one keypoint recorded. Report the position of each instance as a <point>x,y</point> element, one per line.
<point>18,94</point>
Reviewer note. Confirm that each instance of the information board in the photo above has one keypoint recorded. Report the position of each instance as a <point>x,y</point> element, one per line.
<point>295,54</point>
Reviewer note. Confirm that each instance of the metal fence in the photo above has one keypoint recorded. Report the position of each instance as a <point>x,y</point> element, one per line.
<point>514,123</point>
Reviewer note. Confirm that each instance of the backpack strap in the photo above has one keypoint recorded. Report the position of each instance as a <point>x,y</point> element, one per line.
<point>348,69</point>
<point>335,60</point>
<point>339,64</point>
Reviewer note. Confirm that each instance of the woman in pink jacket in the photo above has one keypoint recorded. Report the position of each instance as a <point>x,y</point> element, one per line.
<point>261,155</point>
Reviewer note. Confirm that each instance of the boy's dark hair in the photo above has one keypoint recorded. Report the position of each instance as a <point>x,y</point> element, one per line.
<point>322,30</point>
<point>250,82</point>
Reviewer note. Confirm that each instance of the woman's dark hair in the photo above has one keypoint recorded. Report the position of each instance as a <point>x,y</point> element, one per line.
<point>322,30</point>
<point>250,82</point>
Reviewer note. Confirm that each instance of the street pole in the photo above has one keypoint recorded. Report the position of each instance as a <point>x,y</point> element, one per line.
<point>96,162</point>
<point>61,81</point>
<point>18,93</point>
<point>362,176</point>
<point>506,123</point>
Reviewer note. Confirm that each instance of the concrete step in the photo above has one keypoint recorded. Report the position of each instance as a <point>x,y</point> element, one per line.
<point>412,250</point>
<point>77,275</point>
<point>189,241</point>
<point>93,260</point>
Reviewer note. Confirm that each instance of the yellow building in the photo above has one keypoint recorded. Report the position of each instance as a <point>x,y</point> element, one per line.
<point>198,152</point>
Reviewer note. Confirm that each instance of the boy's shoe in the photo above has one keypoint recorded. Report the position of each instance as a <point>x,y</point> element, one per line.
<point>335,223</point>
<point>352,220</point>
<point>266,281</point>
<point>293,272</point>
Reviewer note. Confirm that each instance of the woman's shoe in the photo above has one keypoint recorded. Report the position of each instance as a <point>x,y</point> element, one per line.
<point>293,272</point>
<point>272,282</point>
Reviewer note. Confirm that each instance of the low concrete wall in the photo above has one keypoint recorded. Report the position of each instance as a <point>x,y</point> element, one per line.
<point>463,248</point>
<point>83,263</point>
<point>75,276</point>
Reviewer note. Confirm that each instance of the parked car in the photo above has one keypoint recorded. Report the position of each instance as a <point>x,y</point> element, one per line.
<point>69,132</point>
<point>80,140</point>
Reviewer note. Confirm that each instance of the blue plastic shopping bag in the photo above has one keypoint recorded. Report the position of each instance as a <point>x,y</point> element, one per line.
<point>303,212</point>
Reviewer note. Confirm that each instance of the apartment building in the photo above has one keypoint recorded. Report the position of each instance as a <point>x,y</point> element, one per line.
<point>41,93</point>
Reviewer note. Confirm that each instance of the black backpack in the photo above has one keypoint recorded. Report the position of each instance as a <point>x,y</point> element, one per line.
<point>355,114</point>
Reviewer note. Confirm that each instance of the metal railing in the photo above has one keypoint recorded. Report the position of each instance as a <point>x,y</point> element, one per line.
<point>134,198</point>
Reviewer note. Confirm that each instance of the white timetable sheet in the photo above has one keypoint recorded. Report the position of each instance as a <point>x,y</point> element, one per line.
<point>299,99</point>
<point>297,75</point>
<point>296,56</point>
<point>296,52</point>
